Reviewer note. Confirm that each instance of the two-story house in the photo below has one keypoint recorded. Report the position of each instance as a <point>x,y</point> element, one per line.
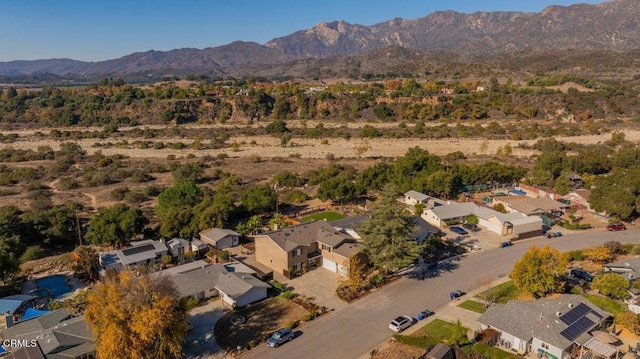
<point>296,249</point>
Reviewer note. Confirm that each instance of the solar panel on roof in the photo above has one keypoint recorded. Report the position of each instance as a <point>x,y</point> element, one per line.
<point>138,249</point>
<point>577,328</point>
<point>576,313</point>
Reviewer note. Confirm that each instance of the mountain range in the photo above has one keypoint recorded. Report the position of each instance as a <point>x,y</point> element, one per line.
<point>612,26</point>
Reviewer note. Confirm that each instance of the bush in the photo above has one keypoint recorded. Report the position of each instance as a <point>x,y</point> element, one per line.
<point>287,294</point>
<point>31,253</point>
<point>191,302</point>
<point>224,256</point>
<point>611,285</point>
<point>377,280</point>
<point>635,250</point>
<point>576,255</point>
<point>278,286</point>
<point>615,247</point>
<point>119,193</point>
<point>292,324</point>
<point>309,316</point>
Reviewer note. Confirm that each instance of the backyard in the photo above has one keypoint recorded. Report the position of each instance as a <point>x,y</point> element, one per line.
<point>324,216</point>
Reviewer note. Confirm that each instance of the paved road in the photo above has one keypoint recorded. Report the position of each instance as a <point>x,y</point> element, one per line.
<point>362,325</point>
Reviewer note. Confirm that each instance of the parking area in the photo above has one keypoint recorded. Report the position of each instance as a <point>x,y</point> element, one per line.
<point>200,341</point>
<point>482,239</point>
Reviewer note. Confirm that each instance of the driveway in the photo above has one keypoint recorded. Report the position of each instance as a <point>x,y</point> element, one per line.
<point>200,342</point>
<point>320,286</point>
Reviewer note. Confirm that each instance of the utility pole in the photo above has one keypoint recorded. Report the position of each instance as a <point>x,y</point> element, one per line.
<point>78,228</point>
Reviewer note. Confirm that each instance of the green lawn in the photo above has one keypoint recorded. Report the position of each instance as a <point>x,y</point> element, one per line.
<point>324,216</point>
<point>473,306</point>
<point>604,303</point>
<point>493,353</point>
<point>431,334</point>
<point>502,293</point>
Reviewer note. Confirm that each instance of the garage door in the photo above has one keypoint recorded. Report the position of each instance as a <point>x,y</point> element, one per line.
<point>329,264</point>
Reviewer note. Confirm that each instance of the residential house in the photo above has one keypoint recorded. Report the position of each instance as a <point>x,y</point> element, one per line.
<point>233,282</point>
<point>414,197</point>
<point>24,353</point>
<point>422,230</point>
<point>411,198</point>
<point>501,223</point>
<point>549,327</point>
<point>628,268</point>
<point>140,253</point>
<point>178,247</point>
<point>294,250</point>
<point>540,206</point>
<point>58,335</point>
<point>14,306</point>
<point>220,238</point>
<point>579,199</point>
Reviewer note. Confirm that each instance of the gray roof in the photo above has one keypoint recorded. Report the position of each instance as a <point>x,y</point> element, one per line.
<point>629,264</point>
<point>199,276</point>
<point>235,285</point>
<point>307,233</point>
<point>417,195</point>
<point>216,234</point>
<point>11,303</point>
<point>541,318</point>
<point>198,244</point>
<point>456,210</point>
<point>529,206</point>
<point>176,242</point>
<point>348,250</point>
<point>141,251</point>
<point>196,281</point>
<point>58,334</point>
<point>26,353</point>
<point>441,351</point>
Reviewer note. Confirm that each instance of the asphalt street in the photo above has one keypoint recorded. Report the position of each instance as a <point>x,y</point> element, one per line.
<point>357,328</point>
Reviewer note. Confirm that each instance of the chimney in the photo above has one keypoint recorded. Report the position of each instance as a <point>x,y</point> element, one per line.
<point>570,305</point>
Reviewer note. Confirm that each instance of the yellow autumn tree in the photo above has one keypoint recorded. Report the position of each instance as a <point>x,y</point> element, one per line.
<point>600,254</point>
<point>137,317</point>
<point>539,271</point>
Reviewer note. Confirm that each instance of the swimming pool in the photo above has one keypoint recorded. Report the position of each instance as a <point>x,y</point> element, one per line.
<point>56,284</point>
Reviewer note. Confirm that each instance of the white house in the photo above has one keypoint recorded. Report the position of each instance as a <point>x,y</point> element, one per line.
<point>415,197</point>
<point>552,328</point>
<point>233,282</point>
<point>502,223</point>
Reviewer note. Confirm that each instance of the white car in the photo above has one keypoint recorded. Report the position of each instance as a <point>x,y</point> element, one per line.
<point>401,323</point>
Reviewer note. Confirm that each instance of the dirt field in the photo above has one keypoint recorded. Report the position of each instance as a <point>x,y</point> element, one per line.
<point>269,147</point>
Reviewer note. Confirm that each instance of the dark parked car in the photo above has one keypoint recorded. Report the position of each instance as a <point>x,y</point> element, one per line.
<point>281,336</point>
<point>505,244</point>
<point>470,227</point>
<point>581,274</point>
<point>456,294</point>
<point>458,230</point>
<point>616,227</point>
<point>425,314</point>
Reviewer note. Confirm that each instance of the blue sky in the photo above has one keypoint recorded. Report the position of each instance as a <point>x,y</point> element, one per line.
<point>94,30</point>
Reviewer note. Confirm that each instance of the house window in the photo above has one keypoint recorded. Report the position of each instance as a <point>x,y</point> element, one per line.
<point>296,252</point>
<point>296,267</point>
<point>545,346</point>
<point>326,248</point>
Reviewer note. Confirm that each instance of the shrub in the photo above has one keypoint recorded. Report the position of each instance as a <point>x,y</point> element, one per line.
<point>31,253</point>
<point>330,156</point>
<point>611,285</point>
<point>119,193</point>
<point>635,250</point>
<point>309,316</point>
<point>292,324</point>
<point>615,247</point>
<point>287,294</point>
<point>576,255</point>
<point>191,302</point>
<point>377,279</point>
<point>224,256</point>
<point>278,286</point>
